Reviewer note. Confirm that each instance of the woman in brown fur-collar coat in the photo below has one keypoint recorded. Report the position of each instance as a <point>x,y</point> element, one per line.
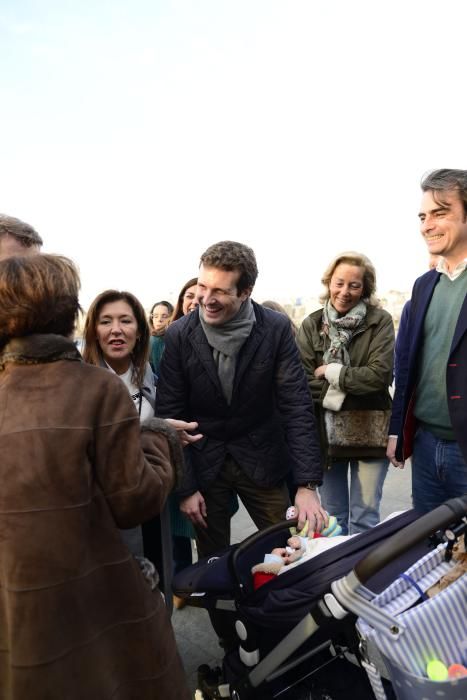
<point>77,618</point>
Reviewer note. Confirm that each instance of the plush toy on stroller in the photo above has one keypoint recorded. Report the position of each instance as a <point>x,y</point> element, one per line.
<point>297,547</point>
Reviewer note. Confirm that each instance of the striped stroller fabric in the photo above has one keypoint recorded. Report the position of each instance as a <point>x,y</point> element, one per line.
<point>375,680</point>
<point>436,628</point>
<point>405,591</point>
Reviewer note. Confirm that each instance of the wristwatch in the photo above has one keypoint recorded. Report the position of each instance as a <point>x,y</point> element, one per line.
<point>310,485</point>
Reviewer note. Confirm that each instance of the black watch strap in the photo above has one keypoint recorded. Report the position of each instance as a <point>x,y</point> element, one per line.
<point>310,485</point>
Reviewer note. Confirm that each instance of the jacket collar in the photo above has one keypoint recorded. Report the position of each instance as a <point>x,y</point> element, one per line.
<point>149,381</point>
<point>39,349</point>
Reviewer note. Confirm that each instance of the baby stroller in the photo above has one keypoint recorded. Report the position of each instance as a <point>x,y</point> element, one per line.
<point>295,634</point>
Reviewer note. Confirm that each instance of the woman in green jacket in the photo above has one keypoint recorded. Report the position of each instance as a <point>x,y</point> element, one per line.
<point>347,349</point>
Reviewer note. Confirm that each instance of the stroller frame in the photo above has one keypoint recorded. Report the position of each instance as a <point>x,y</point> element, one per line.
<point>342,600</point>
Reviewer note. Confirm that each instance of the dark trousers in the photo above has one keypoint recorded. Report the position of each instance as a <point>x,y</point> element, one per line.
<point>266,506</point>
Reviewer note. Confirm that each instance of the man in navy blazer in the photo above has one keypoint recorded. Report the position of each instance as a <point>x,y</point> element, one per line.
<point>429,416</point>
<point>233,366</point>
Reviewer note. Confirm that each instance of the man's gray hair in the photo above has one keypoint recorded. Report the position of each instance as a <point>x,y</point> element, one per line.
<point>23,232</point>
<point>446,180</point>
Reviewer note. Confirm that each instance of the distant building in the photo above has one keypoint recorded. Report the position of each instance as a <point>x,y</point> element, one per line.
<point>299,307</point>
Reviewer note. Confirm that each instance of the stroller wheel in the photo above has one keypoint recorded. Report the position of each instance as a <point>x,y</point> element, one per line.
<point>209,680</point>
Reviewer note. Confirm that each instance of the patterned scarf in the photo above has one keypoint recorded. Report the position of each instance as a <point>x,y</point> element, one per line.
<point>340,330</point>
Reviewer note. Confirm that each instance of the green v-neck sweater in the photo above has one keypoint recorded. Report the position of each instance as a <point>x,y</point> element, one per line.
<point>431,405</point>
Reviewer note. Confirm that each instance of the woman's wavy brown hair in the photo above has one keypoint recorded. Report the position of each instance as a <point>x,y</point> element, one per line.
<point>92,352</point>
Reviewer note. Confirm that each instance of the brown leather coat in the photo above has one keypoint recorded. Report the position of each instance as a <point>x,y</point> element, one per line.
<point>77,618</point>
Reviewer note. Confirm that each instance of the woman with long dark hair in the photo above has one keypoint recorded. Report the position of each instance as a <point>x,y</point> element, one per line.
<point>116,336</point>
<point>186,300</point>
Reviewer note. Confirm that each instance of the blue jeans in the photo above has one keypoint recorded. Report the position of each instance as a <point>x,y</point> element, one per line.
<point>356,509</point>
<point>439,471</point>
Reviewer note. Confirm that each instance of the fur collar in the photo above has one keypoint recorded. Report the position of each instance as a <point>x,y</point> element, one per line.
<point>159,425</point>
<point>38,349</point>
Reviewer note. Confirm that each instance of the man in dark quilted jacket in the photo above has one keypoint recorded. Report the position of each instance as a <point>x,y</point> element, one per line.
<point>233,366</point>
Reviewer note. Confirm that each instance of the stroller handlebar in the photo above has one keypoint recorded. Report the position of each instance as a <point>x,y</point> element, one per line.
<point>405,539</point>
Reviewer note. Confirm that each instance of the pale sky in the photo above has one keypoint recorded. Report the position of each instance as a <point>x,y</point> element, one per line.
<point>133,134</point>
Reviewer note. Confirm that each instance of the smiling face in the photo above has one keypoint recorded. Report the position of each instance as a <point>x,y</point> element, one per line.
<point>117,334</point>
<point>217,294</point>
<point>346,287</point>
<point>189,300</point>
<point>443,224</point>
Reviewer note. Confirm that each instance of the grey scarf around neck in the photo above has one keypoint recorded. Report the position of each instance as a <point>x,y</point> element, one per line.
<point>341,330</point>
<point>226,341</point>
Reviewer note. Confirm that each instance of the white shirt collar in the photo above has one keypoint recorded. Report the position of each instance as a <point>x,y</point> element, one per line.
<point>453,274</point>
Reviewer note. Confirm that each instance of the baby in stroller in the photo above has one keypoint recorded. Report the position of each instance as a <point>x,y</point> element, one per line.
<point>300,546</point>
